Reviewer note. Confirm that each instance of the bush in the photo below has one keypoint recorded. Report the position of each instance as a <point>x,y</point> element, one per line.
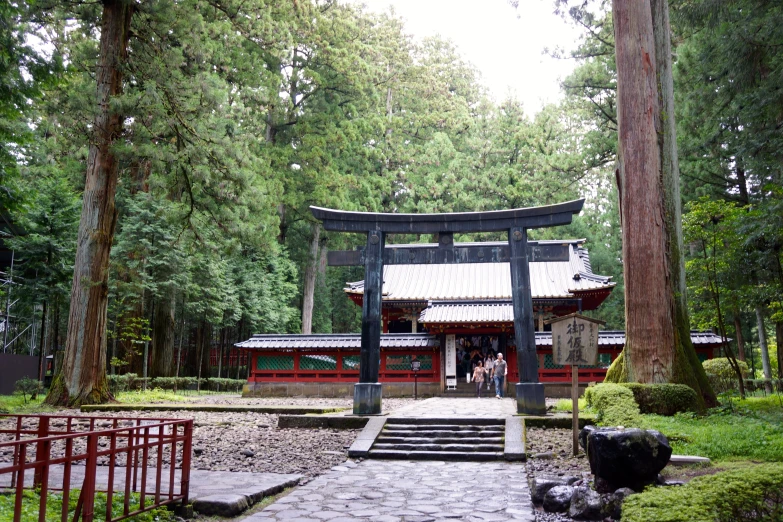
<point>172,383</point>
<point>223,384</point>
<point>125,382</point>
<point>745,494</point>
<point>721,375</point>
<point>663,399</point>
<point>614,403</point>
<point>27,386</point>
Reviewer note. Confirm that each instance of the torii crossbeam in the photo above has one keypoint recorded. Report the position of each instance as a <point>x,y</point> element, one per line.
<point>368,391</point>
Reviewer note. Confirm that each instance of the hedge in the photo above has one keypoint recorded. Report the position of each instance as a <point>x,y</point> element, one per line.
<point>746,494</point>
<point>721,375</point>
<point>615,404</point>
<point>663,399</point>
<point>131,381</point>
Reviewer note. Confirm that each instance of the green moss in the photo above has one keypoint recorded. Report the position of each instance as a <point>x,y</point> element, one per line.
<point>746,494</point>
<point>614,403</point>
<point>663,399</point>
<point>617,371</point>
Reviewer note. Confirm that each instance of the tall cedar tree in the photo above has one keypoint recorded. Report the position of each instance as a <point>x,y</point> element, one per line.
<point>658,347</point>
<point>82,379</point>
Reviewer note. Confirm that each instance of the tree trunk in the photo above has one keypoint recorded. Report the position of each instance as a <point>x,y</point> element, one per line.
<point>42,349</point>
<point>738,335</point>
<point>766,367</point>
<point>779,344</point>
<point>658,348</point>
<point>163,338</point>
<point>83,379</point>
<point>310,276</point>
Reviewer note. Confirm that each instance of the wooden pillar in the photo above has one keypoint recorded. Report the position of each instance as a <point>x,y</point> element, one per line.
<point>367,393</point>
<point>530,393</point>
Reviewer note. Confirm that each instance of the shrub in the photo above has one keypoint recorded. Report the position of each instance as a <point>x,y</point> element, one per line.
<point>171,383</point>
<point>663,399</point>
<point>614,403</point>
<point>721,375</point>
<point>218,384</point>
<point>745,494</point>
<point>28,386</point>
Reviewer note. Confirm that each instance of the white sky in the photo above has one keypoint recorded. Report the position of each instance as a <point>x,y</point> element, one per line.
<point>504,43</point>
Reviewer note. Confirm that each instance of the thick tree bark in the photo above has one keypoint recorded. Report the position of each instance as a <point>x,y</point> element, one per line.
<point>779,343</point>
<point>163,338</point>
<point>310,277</point>
<point>83,378</point>
<point>765,365</point>
<point>738,335</point>
<point>658,347</point>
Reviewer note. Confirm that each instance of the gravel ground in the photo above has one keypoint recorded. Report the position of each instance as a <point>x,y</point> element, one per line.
<point>556,445</point>
<point>233,441</point>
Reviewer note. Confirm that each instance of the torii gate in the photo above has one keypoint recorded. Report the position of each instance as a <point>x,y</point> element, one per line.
<point>368,391</point>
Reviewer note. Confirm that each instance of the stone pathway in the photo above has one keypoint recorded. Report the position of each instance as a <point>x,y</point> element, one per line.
<point>458,407</point>
<point>405,491</point>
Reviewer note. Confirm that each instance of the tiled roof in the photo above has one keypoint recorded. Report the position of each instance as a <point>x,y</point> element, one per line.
<point>548,280</point>
<point>334,341</point>
<point>616,338</point>
<point>455,313</point>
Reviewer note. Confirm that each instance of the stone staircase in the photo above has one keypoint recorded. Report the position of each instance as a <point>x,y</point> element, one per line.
<point>451,439</point>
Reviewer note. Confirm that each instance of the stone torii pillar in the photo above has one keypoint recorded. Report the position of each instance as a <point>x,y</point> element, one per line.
<point>516,222</point>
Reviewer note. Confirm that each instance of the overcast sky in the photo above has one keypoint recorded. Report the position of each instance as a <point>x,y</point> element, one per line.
<point>504,43</point>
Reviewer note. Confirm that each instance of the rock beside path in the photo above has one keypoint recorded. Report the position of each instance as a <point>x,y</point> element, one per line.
<point>625,457</point>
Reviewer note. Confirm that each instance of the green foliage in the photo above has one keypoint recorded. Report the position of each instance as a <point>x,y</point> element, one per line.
<point>721,374</point>
<point>615,405</point>
<point>54,503</point>
<point>751,429</point>
<point>16,403</point>
<point>744,494</point>
<point>27,386</point>
<point>663,399</point>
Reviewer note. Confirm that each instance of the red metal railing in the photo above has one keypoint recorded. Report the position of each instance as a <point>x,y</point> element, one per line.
<point>50,446</point>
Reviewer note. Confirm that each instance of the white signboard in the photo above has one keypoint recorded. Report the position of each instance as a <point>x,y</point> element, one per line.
<point>451,361</point>
<point>575,341</point>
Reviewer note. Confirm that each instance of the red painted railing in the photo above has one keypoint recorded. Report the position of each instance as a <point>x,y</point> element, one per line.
<point>131,450</point>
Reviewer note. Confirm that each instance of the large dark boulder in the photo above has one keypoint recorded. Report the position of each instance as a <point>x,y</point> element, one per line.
<point>626,457</point>
<point>558,499</point>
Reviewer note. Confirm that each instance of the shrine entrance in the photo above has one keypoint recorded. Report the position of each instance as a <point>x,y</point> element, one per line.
<point>516,222</point>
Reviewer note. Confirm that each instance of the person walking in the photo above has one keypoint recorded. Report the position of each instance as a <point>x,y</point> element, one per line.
<point>478,377</point>
<point>499,370</point>
<point>488,363</point>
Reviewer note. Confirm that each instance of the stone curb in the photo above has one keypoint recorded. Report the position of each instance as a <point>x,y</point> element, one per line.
<point>233,504</point>
<point>361,446</point>
<point>536,421</point>
<point>296,410</point>
<point>514,441</point>
<point>311,421</point>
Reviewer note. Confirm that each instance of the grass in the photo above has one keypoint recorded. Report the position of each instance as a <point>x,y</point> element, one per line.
<point>152,396</point>
<point>54,503</point>
<point>565,405</point>
<point>16,403</point>
<point>743,430</point>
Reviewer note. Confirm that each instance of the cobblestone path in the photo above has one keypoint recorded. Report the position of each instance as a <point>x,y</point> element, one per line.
<point>458,407</point>
<point>406,491</point>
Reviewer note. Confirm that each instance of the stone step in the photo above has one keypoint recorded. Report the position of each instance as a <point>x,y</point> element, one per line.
<point>440,433</point>
<point>440,440</point>
<point>458,448</point>
<point>450,427</point>
<point>451,421</point>
<point>436,455</point>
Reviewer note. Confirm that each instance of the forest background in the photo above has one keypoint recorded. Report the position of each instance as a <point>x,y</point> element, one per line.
<point>239,115</point>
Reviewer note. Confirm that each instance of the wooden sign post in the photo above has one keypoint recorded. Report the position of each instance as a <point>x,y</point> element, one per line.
<point>575,343</point>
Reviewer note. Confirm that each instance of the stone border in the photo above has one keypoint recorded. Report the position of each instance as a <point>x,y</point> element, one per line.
<point>215,408</point>
<point>232,504</point>
<point>361,446</point>
<point>514,439</point>
<point>336,422</point>
<point>540,421</point>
